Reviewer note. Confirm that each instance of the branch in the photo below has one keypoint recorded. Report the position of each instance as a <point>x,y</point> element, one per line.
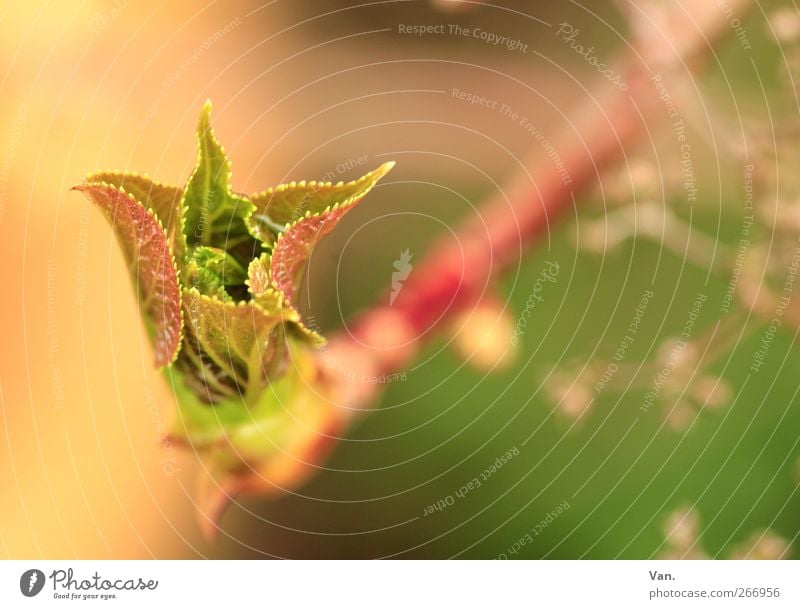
<point>670,40</point>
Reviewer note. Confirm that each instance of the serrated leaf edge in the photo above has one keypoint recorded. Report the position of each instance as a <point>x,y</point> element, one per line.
<point>380,171</point>
<point>88,179</point>
<point>375,175</point>
<point>317,339</point>
<point>175,268</point>
<point>205,121</point>
<point>284,304</point>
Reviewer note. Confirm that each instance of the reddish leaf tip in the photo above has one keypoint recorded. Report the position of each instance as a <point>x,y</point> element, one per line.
<point>150,261</point>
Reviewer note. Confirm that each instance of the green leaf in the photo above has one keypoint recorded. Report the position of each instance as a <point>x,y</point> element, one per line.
<point>150,262</point>
<point>287,203</point>
<point>221,263</point>
<point>207,270</point>
<point>294,245</point>
<point>163,200</point>
<point>215,273</point>
<point>258,277</point>
<point>215,216</point>
<point>240,344</point>
<point>206,282</point>
<point>265,294</point>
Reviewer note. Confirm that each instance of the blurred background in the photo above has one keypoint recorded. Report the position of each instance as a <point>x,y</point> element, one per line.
<point>313,89</point>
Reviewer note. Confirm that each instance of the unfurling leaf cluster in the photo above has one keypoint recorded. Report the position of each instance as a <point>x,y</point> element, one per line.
<point>217,276</point>
<point>217,273</point>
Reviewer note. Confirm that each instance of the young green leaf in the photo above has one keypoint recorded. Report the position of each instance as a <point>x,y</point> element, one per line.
<point>258,277</point>
<point>221,263</point>
<point>215,216</point>
<point>214,272</point>
<point>287,203</point>
<point>243,340</point>
<point>162,199</point>
<point>150,262</point>
<point>293,247</point>
<point>265,294</point>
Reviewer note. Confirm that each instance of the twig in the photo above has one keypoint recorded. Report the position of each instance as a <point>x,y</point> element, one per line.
<point>669,39</point>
